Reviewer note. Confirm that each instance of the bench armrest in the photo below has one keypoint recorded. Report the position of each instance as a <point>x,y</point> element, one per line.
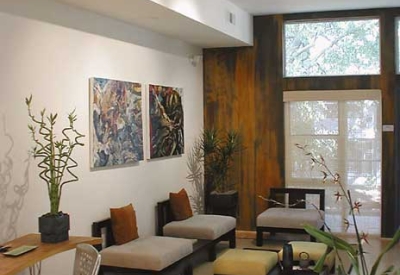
<point>296,195</point>
<point>103,227</point>
<point>164,215</point>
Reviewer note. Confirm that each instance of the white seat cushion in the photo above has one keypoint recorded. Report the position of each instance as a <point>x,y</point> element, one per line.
<point>149,253</point>
<point>290,218</point>
<point>206,227</point>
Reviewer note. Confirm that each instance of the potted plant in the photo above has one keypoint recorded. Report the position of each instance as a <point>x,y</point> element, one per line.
<point>217,150</point>
<point>56,164</point>
<point>355,253</point>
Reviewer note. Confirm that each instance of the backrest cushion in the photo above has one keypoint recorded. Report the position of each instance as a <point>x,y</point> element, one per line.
<point>123,221</point>
<point>180,205</point>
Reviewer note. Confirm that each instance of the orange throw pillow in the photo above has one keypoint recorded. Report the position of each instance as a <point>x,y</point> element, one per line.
<point>180,205</point>
<point>123,221</point>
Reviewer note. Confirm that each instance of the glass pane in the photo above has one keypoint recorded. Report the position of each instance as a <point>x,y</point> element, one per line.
<point>302,165</point>
<point>398,45</point>
<point>354,152</point>
<point>362,119</point>
<point>339,47</point>
<point>363,149</point>
<point>314,118</point>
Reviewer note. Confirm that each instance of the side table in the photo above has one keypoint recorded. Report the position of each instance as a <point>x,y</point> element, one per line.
<point>32,259</point>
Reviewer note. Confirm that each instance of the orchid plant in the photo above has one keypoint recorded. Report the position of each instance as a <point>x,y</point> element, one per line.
<point>356,254</point>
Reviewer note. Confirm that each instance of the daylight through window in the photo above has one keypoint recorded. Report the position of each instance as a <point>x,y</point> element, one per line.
<point>398,44</point>
<point>345,128</point>
<point>331,48</point>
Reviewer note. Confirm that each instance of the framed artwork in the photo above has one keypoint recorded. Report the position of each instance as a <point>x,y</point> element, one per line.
<point>166,121</point>
<point>115,122</point>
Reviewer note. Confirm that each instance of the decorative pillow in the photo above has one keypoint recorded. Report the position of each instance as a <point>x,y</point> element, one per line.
<point>180,205</point>
<point>123,221</point>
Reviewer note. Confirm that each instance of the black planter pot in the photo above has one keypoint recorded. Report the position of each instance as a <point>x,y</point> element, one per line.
<point>224,203</point>
<point>54,229</point>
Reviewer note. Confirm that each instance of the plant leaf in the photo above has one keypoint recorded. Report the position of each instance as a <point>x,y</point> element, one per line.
<point>393,242</point>
<point>330,240</point>
<point>320,264</point>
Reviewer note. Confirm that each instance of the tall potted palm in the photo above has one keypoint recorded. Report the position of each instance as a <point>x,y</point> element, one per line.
<point>217,150</point>
<point>55,164</point>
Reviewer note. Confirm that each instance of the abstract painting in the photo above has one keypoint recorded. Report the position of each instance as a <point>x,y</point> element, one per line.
<point>116,122</point>
<point>166,121</point>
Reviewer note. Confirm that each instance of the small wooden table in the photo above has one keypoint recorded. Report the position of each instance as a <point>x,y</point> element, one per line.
<point>12,265</point>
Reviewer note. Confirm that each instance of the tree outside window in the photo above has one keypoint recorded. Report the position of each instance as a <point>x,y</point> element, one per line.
<point>336,47</point>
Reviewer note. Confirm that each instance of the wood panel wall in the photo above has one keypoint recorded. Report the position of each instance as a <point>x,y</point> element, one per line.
<point>243,91</point>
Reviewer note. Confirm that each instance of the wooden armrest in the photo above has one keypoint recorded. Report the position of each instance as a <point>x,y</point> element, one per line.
<point>296,195</point>
<point>164,215</point>
<point>97,231</point>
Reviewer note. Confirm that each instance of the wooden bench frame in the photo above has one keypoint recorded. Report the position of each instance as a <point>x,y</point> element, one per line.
<point>295,197</point>
<point>109,240</point>
<point>164,216</point>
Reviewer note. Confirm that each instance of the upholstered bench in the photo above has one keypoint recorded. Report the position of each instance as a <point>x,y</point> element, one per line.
<point>176,219</point>
<point>153,254</point>
<point>290,218</point>
<point>293,218</point>
<point>149,253</point>
<point>314,252</point>
<point>247,262</point>
<point>124,251</point>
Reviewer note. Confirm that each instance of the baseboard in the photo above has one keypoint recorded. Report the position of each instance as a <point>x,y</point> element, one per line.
<point>243,234</point>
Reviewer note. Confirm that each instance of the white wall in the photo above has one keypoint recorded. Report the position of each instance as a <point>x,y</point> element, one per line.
<point>54,64</point>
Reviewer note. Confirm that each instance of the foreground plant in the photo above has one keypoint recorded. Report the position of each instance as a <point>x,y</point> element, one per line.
<point>55,155</point>
<point>356,254</point>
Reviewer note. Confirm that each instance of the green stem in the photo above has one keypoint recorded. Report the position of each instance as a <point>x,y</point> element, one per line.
<point>360,248</point>
<point>54,199</point>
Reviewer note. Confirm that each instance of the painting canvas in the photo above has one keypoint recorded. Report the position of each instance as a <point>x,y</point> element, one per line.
<point>166,121</point>
<point>116,122</point>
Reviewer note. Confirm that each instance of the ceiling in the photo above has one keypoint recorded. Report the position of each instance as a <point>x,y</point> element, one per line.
<point>260,7</point>
<point>155,17</point>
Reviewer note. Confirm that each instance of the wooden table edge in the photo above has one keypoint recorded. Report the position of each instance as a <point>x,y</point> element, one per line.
<point>12,265</point>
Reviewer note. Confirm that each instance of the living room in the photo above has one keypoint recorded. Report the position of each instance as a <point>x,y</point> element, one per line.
<point>56,48</point>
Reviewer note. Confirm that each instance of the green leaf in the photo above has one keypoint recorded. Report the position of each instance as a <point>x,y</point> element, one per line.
<point>388,270</point>
<point>335,242</point>
<point>330,240</point>
<point>319,266</point>
<point>392,243</point>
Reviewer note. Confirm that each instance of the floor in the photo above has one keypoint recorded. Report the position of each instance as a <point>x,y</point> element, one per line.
<point>372,251</point>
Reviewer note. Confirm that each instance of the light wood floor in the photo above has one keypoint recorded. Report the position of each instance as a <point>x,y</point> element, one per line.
<point>372,249</point>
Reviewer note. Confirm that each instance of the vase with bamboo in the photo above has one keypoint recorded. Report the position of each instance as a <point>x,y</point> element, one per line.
<point>55,166</point>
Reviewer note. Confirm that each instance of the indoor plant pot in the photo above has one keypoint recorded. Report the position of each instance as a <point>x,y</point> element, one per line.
<point>54,229</point>
<point>224,203</point>
<point>210,163</point>
<point>56,164</point>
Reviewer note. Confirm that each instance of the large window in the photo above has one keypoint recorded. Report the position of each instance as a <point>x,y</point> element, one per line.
<point>330,48</point>
<point>345,128</point>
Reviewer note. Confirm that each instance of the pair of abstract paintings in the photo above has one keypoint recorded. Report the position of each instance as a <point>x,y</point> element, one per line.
<point>117,122</point>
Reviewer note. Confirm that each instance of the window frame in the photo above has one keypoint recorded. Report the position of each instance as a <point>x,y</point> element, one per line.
<point>330,19</point>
